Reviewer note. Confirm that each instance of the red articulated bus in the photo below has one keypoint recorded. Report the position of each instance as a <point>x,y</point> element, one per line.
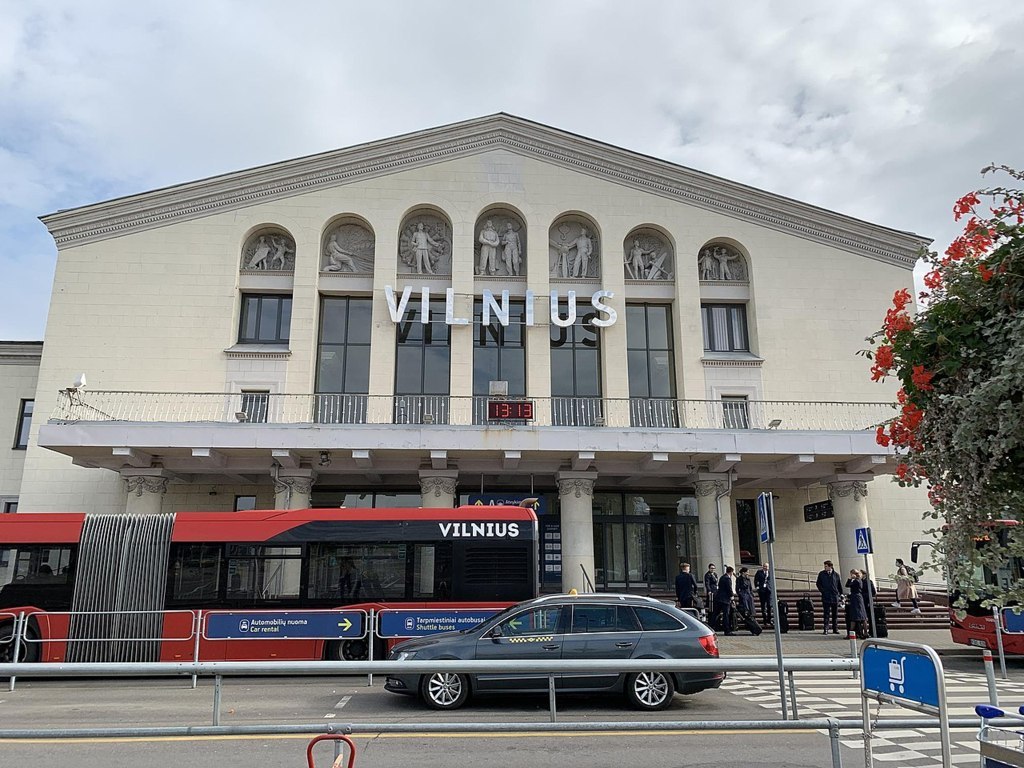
<point>130,587</point>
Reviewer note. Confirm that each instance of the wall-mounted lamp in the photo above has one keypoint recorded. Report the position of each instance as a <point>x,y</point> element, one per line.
<point>774,423</point>
<point>325,458</point>
<point>241,417</point>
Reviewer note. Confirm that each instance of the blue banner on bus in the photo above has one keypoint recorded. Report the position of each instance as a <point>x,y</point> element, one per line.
<point>283,625</point>
<point>418,623</point>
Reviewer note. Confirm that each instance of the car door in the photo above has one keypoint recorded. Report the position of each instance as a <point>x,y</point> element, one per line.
<point>599,632</point>
<point>534,633</point>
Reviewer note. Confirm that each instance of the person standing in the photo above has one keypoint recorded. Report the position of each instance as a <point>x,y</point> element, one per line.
<point>723,601</point>
<point>710,588</point>
<point>830,588</point>
<point>858,612</point>
<point>745,593</point>
<point>686,587</point>
<point>906,589</point>
<point>763,584</point>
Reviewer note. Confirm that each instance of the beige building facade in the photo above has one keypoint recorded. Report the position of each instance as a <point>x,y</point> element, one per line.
<point>19,373</point>
<point>490,310</point>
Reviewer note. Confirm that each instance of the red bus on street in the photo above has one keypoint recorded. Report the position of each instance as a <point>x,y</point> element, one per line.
<point>130,587</point>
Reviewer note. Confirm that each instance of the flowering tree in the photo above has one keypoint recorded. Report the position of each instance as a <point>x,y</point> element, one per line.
<point>959,427</point>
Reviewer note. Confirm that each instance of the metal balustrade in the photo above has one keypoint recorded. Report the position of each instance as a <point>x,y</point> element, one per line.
<point>325,408</point>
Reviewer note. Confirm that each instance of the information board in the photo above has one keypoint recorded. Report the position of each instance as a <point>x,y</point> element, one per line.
<point>422,622</point>
<point>283,625</point>
<point>901,676</point>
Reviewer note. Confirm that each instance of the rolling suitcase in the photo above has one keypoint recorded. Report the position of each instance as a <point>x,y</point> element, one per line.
<point>750,624</point>
<point>783,615</point>
<point>881,625</point>
<point>805,613</point>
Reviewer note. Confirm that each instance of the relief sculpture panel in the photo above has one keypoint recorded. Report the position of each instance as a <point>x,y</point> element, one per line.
<point>348,248</point>
<point>425,245</point>
<point>647,255</point>
<point>269,250</point>
<point>574,250</point>
<point>720,262</point>
<point>500,245</point>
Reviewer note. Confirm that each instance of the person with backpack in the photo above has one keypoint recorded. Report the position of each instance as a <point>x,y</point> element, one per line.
<point>906,588</point>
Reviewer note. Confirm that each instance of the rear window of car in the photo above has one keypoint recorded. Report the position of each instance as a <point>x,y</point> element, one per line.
<point>652,620</point>
<point>603,618</point>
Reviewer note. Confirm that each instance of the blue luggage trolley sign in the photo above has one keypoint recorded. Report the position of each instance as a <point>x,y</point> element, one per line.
<point>284,625</point>
<point>908,675</point>
<point>421,622</point>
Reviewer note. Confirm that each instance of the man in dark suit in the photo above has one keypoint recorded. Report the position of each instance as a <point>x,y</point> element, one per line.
<point>710,588</point>
<point>763,585</point>
<point>686,587</point>
<point>831,589</point>
<point>723,601</point>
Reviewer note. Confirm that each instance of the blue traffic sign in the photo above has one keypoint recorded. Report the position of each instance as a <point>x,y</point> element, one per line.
<point>863,539</point>
<point>1013,622</point>
<point>900,675</point>
<point>418,623</point>
<point>766,518</point>
<point>283,625</point>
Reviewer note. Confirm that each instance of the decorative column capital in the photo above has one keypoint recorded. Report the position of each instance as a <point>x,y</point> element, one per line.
<point>705,488</point>
<point>438,485</point>
<point>844,488</point>
<point>575,486</point>
<point>140,484</point>
<point>301,484</point>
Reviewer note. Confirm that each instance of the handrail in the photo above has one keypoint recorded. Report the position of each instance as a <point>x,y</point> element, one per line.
<point>809,577</point>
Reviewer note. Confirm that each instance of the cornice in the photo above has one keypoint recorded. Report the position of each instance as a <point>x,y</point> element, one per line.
<point>231,191</point>
<point>20,352</point>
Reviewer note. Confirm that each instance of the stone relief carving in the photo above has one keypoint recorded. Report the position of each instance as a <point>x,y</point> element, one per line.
<point>425,246</point>
<point>576,487</point>
<point>439,486</point>
<point>844,488</point>
<point>720,262</point>
<point>499,246</point>
<point>647,256</point>
<point>300,485</point>
<point>141,484</point>
<point>269,251</point>
<point>574,250</point>
<point>709,487</point>
<point>349,248</point>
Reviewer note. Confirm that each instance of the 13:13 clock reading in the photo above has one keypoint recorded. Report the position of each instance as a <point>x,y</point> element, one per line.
<point>517,410</point>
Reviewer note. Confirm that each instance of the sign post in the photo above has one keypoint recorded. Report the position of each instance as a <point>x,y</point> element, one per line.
<point>865,547</point>
<point>766,527</point>
<point>908,675</point>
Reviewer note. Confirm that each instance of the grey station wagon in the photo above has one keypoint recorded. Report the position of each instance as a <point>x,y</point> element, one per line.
<point>593,626</point>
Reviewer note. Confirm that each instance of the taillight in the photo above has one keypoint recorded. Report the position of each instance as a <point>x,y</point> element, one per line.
<point>709,644</point>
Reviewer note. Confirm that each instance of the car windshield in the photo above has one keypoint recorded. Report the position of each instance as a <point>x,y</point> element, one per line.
<point>484,626</point>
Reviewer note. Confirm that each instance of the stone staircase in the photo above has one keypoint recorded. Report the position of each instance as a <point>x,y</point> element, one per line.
<point>933,615</point>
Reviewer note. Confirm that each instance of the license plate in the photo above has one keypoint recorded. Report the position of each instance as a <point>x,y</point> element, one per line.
<point>977,643</point>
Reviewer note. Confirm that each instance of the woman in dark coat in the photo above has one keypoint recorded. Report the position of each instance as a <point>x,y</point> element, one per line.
<point>858,610</point>
<point>745,592</point>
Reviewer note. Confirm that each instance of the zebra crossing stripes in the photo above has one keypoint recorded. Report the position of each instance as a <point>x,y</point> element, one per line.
<point>837,694</point>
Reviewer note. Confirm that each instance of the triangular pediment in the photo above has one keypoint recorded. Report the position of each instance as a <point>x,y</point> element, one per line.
<point>240,189</point>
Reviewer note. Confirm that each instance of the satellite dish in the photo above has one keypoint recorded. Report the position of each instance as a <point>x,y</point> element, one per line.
<point>80,381</point>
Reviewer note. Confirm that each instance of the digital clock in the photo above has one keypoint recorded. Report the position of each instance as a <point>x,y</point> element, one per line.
<point>511,410</point>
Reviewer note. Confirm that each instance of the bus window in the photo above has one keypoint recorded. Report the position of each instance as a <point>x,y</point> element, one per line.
<point>35,564</point>
<point>356,572</point>
<point>432,571</point>
<point>258,573</point>
<point>194,573</point>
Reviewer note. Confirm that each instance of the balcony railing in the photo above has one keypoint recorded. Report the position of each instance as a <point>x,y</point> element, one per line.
<point>641,413</point>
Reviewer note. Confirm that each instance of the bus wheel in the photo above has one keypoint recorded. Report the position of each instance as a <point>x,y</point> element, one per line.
<point>445,690</point>
<point>27,652</point>
<point>353,650</point>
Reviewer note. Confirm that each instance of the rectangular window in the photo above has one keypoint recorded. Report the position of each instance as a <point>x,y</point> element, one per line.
<point>343,360</point>
<point>255,405</point>
<point>422,364</point>
<point>194,574</point>
<point>10,507</point>
<point>651,364</point>
<point>24,425</point>
<point>725,327</point>
<point>347,573</point>
<point>263,573</point>
<point>265,319</point>
<point>735,413</point>
<point>243,503</point>
<point>499,354</point>
<point>576,372</point>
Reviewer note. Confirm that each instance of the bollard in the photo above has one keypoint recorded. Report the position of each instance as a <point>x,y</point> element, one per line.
<point>369,647</point>
<point>990,675</point>
<point>216,699</point>
<point>833,738</point>
<point>852,637</point>
<point>999,641</point>
<point>551,697</point>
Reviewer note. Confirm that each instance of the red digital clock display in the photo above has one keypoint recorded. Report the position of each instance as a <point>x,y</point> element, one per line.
<point>513,410</point>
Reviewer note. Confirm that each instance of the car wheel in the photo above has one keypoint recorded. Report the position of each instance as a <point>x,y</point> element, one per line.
<point>650,690</point>
<point>445,690</point>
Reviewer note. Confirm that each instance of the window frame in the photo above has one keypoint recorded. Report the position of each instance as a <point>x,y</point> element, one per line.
<point>650,351</point>
<point>342,347</point>
<point>425,341</point>
<point>708,325</point>
<point>574,338</point>
<point>24,423</point>
<point>260,298</point>
<point>486,333</point>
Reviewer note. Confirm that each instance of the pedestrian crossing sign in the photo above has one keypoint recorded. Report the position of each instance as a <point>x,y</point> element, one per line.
<point>863,538</point>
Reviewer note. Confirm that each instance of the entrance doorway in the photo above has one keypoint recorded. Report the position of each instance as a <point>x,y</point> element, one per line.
<point>639,540</point>
<point>748,533</point>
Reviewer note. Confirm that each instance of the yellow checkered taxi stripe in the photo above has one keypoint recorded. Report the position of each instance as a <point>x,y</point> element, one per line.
<point>532,639</point>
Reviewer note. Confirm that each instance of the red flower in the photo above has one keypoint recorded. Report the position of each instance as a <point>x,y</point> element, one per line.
<point>884,357</point>
<point>896,321</point>
<point>964,205</point>
<point>985,272</point>
<point>902,470</point>
<point>901,298</point>
<point>933,280</point>
<point>881,438</point>
<point>922,378</point>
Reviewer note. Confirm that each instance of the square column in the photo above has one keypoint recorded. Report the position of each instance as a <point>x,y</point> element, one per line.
<point>714,513</point>
<point>437,487</point>
<point>576,501</point>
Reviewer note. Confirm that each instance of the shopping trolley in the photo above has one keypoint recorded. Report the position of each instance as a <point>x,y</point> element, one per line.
<point>339,761</point>
<point>1000,747</point>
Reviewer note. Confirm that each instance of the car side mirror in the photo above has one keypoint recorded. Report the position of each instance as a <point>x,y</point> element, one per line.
<point>494,633</point>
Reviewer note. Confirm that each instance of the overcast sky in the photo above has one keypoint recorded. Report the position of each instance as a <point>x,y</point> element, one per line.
<point>884,111</point>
